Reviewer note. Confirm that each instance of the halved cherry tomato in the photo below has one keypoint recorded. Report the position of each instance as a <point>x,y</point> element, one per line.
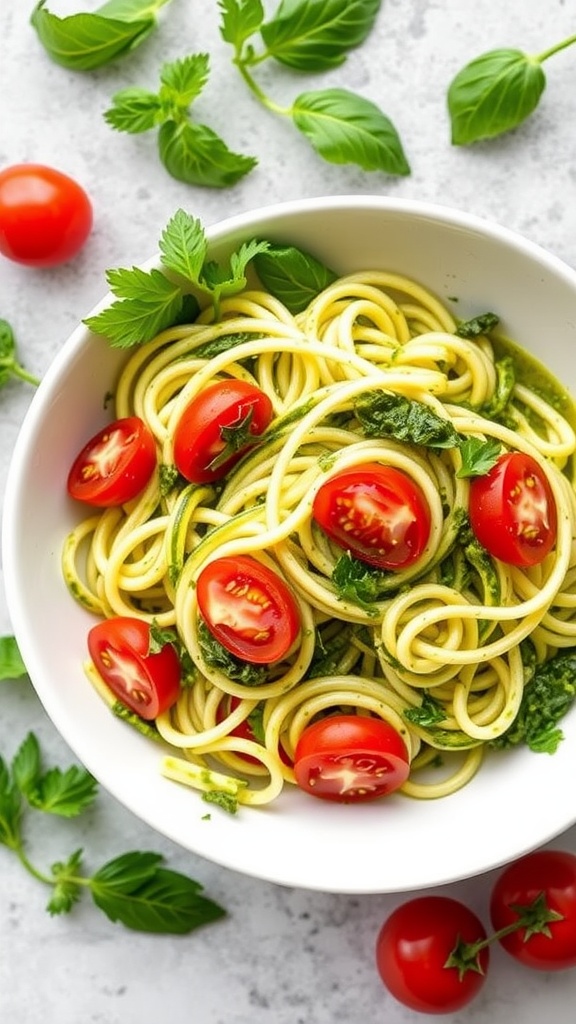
<point>512,510</point>
<point>248,608</point>
<point>550,874</point>
<point>45,216</point>
<point>414,945</point>
<point>115,465</point>
<point>350,758</point>
<point>377,513</point>
<point>146,683</point>
<point>218,426</point>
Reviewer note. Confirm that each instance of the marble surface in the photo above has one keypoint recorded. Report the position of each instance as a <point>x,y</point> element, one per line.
<point>281,956</point>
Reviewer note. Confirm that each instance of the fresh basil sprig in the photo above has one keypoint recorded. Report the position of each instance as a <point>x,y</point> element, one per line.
<point>86,41</point>
<point>134,888</point>
<point>149,301</point>
<point>315,35</point>
<point>9,365</point>
<point>496,92</point>
<point>292,275</point>
<point>190,152</point>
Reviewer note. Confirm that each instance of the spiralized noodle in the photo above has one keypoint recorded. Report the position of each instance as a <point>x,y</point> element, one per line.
<point>454,637</point>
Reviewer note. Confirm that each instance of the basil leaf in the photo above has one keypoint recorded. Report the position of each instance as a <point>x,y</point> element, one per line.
<point>493,94</point>
<point>359,583</point>
<point>347,129</point>
<point>195,154</point>
<point>11,664</point>
<point>240,20</point>
<point>147,898</point>
<point>385,414</point>
<point>82,42</point>
<point>26,765</point>
<point>314,35</point>
<point>477,325</point>
<point>66,794</point>
<point>292,275</point>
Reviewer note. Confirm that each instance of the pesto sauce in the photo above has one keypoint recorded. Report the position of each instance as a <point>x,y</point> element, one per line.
<point>535,375</point>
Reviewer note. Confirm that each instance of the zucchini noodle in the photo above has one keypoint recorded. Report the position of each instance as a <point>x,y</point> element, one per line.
<point>447,630</point>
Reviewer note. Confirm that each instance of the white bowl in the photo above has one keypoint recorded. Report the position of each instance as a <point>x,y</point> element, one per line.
<point>515,802</point>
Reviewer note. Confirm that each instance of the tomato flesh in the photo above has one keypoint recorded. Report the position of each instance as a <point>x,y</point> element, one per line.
<point>248,608</point>
<point>553,874</point>
<point>350,758</point>
<point>218,427</point>
<point>513,512</point>
<point>147,683</point>
<point>115,465</point>
<point>377,513</point>
<point>413,946</point>
<point>45,216</point>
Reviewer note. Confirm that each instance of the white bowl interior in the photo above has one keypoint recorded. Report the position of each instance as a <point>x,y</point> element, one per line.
<point>517,800</point>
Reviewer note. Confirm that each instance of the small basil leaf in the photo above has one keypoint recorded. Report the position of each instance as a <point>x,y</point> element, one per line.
<point>195,154</point>
<point>493,94</point>
<point>347,129</point>
<point>240,19</point>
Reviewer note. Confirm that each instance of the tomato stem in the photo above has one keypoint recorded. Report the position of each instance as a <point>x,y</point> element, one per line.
<point>534,917</point>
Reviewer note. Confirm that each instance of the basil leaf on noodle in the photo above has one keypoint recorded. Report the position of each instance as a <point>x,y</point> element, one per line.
<point>358,582</point>
<point>547,698</point>
<point>216,656</point>
<point>385,414</point>
<point>428,713</point>
<point>478,325</point>
<point>478,456</point>
<point>293,276</point>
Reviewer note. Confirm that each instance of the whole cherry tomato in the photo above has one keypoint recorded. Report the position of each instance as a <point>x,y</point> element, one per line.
<point>548,877</point>
<point>425,954</point>
<point>45,216</point>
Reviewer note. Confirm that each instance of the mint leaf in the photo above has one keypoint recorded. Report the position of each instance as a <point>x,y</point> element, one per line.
<point>347,129</point>
<point>315,35</point>
<point>292,275</point>
<point>240,19</point>
<point>82,42</point>
<point>478,456</point>
<point>183,80</point>
<point>26,765</point>
<point>222,280</point>
<point>9,365</point>
<point>135,110</point>
<point>134,890</point>
<point>183,246</point>
<point>11,664</point>
<point>148,303</point>
<point>65,793</point>
<point>195,154</point>
<point>67,889</point>
<point>493,94</point>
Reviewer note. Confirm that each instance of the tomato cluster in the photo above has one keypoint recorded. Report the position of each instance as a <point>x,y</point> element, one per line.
<point>433,953</point>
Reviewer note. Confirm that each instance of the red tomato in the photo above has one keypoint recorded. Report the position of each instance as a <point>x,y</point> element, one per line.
<point>115,465</point>
<point>414,945</point>
<point>377,513</point>
<point>146,683</point>
<point>218,427</point>
<point>350,758</point>
<point>248,608</point>
<point>512,510</point>
<point>45,216</point>
<point>551,873</point>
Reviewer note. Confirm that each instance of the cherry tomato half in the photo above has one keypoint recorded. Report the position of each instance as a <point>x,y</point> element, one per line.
<point>512,510</point>
<point>146,683</point>
<point>45,216</point>
<point>218,426</point>
<point>115,465</point>
<point>350,758</point>
<point>551,873</point>
<point>414,945</point>
<point>248,608</point>
<point>377,513</point>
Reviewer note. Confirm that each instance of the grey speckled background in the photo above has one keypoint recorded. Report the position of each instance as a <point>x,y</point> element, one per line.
<point>281,956</point>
